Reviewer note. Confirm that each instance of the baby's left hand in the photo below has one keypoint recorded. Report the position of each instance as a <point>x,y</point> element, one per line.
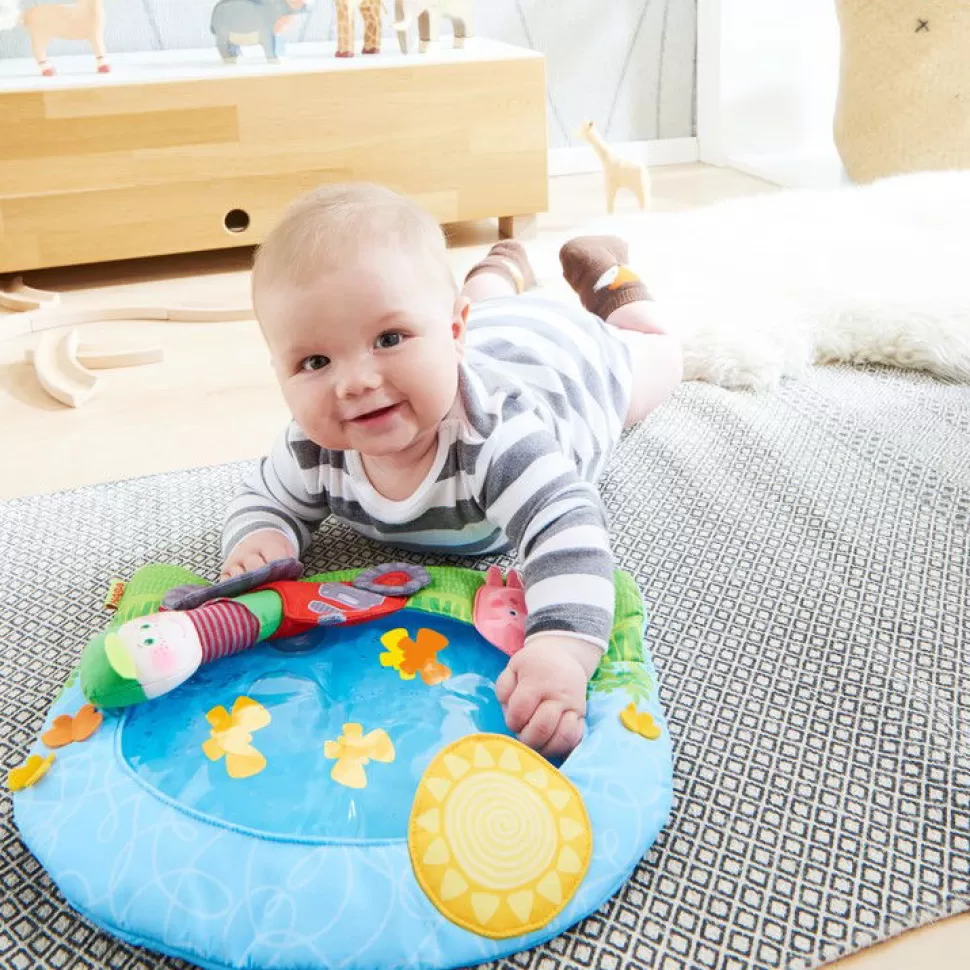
<point>543,692</point>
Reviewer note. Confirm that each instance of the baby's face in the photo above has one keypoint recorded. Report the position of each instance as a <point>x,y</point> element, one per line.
<point>367,355</point>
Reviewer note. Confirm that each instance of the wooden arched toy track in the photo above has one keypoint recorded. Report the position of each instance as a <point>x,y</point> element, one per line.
<point>51,318</point>
<point>21,297</point>
<point>58,370</point>
<point>61,361</point>
<point>62,364</point>
<point>109,356</point>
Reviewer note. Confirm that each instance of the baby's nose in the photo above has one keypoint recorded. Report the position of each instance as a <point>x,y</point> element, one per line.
<point>358,380</point>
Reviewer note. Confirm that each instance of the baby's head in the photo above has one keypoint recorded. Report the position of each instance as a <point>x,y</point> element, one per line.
<point>361,313</point>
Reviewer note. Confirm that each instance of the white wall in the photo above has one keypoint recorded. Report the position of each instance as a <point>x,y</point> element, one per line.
<point>768,77</point>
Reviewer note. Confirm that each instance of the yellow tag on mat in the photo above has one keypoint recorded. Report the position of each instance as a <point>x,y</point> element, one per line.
<point>116,589</point>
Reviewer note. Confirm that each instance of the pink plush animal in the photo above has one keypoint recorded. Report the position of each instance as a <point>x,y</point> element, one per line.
<point>499,611</point>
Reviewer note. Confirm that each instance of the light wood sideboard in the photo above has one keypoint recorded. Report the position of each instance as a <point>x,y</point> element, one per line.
<point>176,152</point>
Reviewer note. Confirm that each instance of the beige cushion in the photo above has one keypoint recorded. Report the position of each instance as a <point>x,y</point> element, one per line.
<point>904,89</point>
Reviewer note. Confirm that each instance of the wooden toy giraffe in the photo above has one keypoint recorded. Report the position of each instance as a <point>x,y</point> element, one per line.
<point>370,10</point>
<point>83,20</point>
<point>619,173</point>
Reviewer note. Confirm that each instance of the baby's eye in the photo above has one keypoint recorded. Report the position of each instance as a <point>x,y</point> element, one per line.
<point>314,362</point>
<point>390,339</point>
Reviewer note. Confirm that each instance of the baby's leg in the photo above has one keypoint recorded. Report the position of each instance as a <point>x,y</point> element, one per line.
<point>657,361</point>
<point>505,271</point>
<point>595,267</point>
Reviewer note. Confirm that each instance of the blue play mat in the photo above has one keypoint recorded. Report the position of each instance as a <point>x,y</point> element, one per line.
<point>374,820</point>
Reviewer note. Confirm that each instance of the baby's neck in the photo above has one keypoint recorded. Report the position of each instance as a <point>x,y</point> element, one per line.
<point>397,476</point>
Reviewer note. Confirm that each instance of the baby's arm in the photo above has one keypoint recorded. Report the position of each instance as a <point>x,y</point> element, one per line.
<point>281,503</point>
<point>557,522</point>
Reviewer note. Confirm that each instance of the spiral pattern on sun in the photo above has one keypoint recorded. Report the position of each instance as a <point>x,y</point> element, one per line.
<point>508,832</point>
<point>499,839</point>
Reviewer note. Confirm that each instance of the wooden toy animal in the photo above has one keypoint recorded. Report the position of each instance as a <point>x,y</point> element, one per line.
<point>619,173</point>
<point>83,20</point>
<point>370,10</point>
<point>237,22</point>
<point>428,14</point>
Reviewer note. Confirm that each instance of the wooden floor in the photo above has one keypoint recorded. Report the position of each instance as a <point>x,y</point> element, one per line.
<point>214,400</point>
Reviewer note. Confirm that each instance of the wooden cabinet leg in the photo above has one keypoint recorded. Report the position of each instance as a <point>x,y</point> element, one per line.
<point>518,227</point>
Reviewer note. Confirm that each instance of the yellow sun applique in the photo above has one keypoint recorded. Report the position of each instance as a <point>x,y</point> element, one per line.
<point>418,656</point>
<point>353,750</point>
<point>639,722</point>
<point>231,735</point>
<point>29,773</point>
<point>499,839</point>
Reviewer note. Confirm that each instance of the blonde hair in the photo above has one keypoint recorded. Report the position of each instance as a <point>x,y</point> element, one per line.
<point>335,223</point>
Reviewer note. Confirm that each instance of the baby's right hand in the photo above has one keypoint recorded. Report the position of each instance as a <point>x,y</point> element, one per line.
<point>257,550</point>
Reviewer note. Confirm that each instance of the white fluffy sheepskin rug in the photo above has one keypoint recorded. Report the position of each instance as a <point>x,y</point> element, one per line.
<point>764,286</point>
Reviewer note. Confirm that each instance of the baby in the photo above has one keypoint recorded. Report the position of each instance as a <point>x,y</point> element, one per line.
<point>462,422</point>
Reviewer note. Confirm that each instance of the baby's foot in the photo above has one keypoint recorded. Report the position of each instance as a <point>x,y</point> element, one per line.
<point>508,259</point>
<point>595,267</point>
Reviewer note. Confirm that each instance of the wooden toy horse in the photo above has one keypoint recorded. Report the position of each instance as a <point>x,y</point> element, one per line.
<point>83,20</point>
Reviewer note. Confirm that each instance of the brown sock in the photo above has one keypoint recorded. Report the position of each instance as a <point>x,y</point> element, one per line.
<point>508,259</point>
<point>595,267</point>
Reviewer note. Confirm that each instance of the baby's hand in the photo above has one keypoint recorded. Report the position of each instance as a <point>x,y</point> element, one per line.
<point>256,550</point>
<point>543,692</point>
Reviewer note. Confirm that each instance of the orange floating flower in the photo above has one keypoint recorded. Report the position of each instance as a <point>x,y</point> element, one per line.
<point>67,729</point>
<point>29,773</point>
<point>419,656</point>
<point>639,722</point>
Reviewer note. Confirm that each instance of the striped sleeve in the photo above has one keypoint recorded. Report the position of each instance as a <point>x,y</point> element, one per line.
<point>556,520</point>
<point>283,493</point>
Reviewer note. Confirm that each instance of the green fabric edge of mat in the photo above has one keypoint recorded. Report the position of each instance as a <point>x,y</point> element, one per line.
<point>452,594</point>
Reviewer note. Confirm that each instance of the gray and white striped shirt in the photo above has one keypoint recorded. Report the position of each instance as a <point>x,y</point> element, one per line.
<point>543,393</point>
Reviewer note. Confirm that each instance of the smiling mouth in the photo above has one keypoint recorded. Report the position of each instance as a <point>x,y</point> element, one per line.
<point>371,417</point>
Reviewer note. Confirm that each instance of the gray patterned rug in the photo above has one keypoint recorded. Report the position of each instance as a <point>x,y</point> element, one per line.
<point>806,555</point>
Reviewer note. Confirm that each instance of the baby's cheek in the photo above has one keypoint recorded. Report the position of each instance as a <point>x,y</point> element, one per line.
<point>163,659</point>
<point>313,414</point>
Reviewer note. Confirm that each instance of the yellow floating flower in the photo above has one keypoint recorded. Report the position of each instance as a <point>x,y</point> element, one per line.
<point>231,736</point>
<point>639,722</point>
<point>418,656</point>
<point>499,839</point>
<point>29,773</point>
<point>353,750</point>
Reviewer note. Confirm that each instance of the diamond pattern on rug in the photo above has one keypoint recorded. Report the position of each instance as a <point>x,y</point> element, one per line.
<point>806,560</point>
